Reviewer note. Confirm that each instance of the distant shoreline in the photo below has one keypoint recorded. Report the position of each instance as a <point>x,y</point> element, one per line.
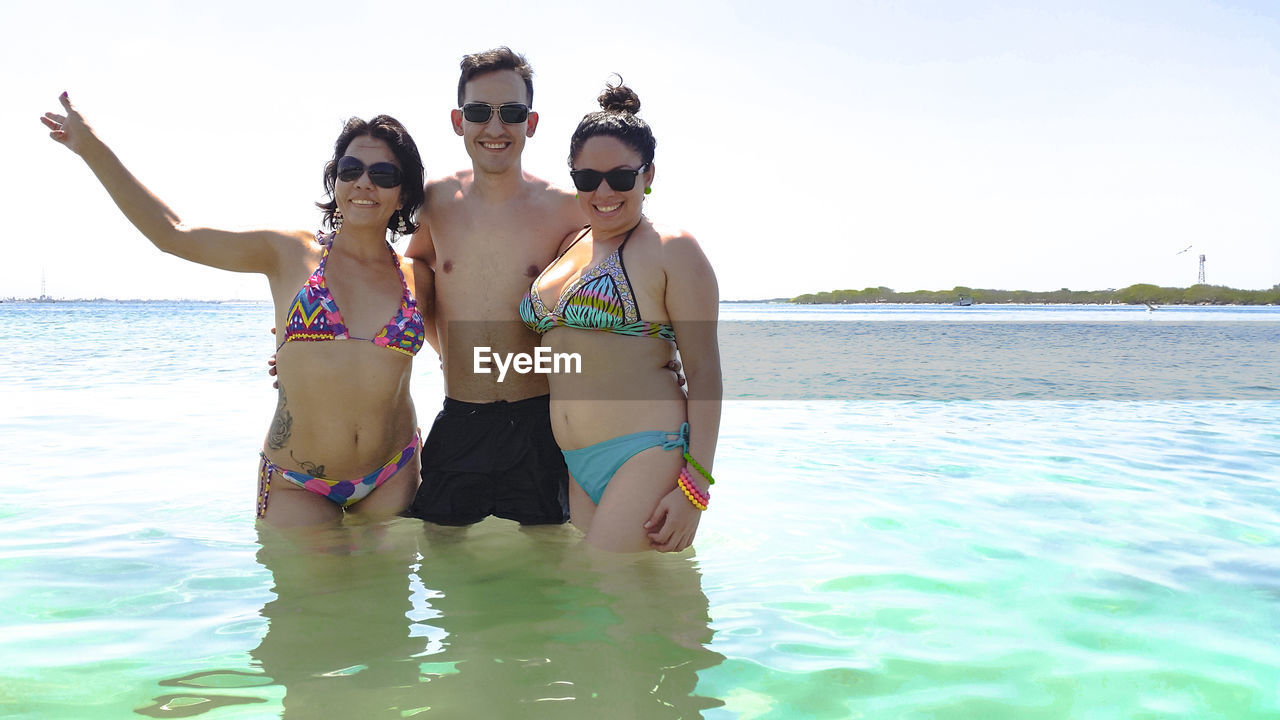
<point>1141,294</point>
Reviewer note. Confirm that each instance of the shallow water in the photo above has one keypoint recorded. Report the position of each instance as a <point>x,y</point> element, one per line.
<point>952,554</point>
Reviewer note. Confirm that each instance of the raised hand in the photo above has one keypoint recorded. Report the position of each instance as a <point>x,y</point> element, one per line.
<point>70,130</point>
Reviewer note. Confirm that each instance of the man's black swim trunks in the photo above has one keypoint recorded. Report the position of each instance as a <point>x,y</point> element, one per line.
<point>497,458</point>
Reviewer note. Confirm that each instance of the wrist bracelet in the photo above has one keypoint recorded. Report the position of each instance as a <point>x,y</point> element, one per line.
<point>701,470</point>
<point>696,497</point>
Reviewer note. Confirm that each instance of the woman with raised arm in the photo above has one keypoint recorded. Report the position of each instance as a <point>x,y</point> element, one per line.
<point>621,295</point>
<point>344,437</point>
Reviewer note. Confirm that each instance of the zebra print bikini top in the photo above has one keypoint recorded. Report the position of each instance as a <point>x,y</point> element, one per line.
<point>601,299</point>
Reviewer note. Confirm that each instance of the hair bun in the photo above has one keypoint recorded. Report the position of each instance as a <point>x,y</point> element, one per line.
<point>619,98</point>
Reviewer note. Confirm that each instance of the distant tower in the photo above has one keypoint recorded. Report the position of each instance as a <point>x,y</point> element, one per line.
<point>43,287</point>
<point>1200,279</point>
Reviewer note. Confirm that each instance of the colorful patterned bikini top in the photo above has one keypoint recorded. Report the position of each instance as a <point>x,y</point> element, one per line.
<point>601,299</point>
<point>314,315</point>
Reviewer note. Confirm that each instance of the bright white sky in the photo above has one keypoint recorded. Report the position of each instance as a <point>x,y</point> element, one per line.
<point>808,145</point>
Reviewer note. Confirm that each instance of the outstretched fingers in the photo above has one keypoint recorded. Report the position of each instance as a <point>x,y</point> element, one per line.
<point>55,133</point>
<point>58,123</point>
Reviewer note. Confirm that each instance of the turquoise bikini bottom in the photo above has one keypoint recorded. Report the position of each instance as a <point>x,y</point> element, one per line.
<point>594,465</point>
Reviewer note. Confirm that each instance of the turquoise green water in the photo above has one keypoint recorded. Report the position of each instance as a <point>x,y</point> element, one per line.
<point>899,558</point>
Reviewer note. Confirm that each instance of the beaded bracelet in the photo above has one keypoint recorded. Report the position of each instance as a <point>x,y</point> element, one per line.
<point>701,470</point>
<point>696,497</point>
<point>692,498</point>
<point>686,481</point>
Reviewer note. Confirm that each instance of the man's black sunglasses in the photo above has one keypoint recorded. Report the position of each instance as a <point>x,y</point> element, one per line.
<point>508,113</point>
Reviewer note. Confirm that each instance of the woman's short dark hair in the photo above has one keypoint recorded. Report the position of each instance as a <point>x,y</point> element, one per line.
<point>390,131</point>
<point>616,118</point>
<point>499,58</point>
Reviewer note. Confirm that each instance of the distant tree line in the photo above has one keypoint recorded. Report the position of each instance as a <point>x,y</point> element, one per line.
<point>1132,295</point>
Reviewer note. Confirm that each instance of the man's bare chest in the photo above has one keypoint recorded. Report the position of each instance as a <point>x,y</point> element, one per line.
<point>502,252</point>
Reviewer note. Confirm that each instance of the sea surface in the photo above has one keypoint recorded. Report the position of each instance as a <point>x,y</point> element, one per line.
<point>921,512</point>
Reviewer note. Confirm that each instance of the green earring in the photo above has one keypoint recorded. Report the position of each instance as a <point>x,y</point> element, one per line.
<point>648,190</point>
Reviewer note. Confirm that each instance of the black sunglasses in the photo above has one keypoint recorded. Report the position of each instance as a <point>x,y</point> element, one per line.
<point>383,174</point>
<point>508,113</point>
<point>621,179</point>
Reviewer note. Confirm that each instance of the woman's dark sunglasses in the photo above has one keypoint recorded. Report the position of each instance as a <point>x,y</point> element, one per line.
<point>621,179</point>
<point>508,113</point>
<point>383,174</point>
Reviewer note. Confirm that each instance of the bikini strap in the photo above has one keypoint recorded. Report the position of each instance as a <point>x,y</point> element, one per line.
<point>585,229</point>
<point>680,442</point>
<point>404,284</point>
<point>628,237</point>
<point>625,276</point>
<point>327,242</point>
<point>581,234</point>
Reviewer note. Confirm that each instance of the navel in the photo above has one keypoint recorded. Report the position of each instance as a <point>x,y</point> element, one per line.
<point>447,266</point>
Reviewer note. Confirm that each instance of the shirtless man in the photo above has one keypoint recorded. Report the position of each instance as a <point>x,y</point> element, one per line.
<point>485,234</point>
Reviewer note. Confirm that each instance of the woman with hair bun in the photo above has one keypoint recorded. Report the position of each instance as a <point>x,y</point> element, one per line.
<point>622,295</point>
<point>344,437</point>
